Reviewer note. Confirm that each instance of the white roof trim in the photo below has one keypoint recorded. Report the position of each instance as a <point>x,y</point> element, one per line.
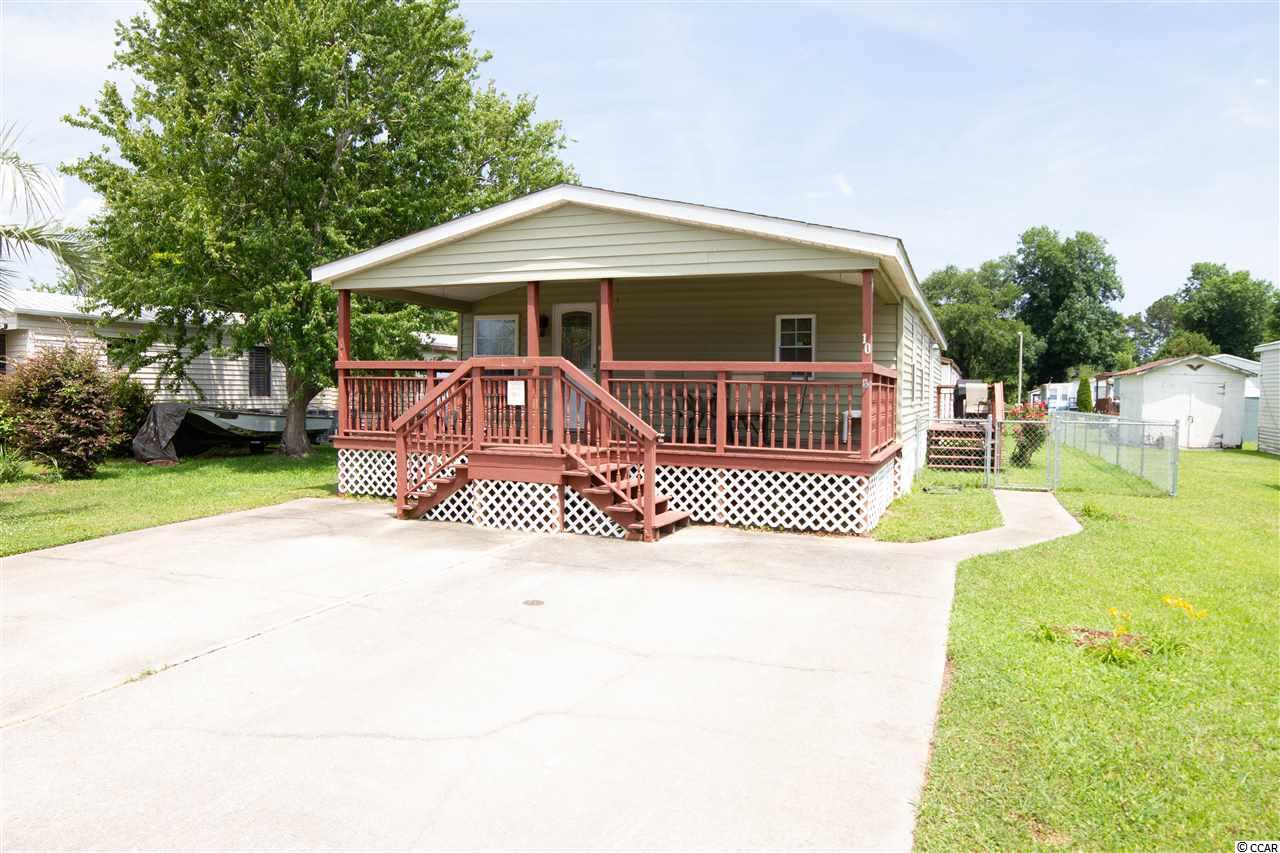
<point>1186,358</point>
<point>1267,347</point>
<point>822,236</point>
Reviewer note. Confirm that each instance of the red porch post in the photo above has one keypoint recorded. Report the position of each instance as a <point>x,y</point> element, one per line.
<point>532,409</point>
<point>868,395</point>
<point>531,318</point>
<point>606,327</point>
<point>344,354</point>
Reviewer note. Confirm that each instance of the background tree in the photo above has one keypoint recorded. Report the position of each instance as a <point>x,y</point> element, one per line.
<point>1187,343</point>
<point>1148,331</point>
<point>1067,287</point>
<point>975,309</point>
<point>26,187</point>
<point>264,139</point>
<point>1231,309</point>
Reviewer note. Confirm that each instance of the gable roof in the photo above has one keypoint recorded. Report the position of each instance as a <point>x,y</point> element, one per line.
<point>1169,362</point>
<point>888,250</point>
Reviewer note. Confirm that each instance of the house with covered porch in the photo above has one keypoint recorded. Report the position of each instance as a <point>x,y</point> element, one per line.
<point>628,364</point>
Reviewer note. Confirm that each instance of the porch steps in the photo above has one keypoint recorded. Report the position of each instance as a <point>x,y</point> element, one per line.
<point>419,503</point>
<point>591,486</point>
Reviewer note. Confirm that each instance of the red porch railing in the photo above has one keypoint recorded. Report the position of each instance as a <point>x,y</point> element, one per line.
<point>847,409</point>
<point>728,407</point>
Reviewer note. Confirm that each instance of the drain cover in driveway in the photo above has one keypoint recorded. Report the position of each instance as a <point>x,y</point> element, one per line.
<point>532,602</point>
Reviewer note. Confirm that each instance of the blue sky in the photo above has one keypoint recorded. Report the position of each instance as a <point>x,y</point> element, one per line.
<point>952,126</point>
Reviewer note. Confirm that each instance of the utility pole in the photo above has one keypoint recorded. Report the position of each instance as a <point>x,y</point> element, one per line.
<point>1019,368</point>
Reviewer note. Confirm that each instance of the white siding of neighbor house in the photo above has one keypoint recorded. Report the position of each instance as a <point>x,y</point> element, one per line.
<point>579,242</point>
<point>223,380</point>
<point>917,377</point>
<point>1269,405</point>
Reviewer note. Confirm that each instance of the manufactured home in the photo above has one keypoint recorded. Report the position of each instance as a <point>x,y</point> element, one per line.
<point>33,321</point>
<point>628,364</point>
<point>1269,402</point>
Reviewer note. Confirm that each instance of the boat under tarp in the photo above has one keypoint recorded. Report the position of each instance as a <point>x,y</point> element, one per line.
<point>171,429</point>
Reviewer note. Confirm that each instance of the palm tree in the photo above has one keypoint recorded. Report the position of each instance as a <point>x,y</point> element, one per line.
<point>25,185</point>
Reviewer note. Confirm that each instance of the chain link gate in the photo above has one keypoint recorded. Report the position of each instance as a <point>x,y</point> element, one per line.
<point>1022,455</point>
<point>1061,450</point>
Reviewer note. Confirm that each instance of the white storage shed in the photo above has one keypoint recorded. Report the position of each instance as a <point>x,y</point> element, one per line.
<point>1205,397</point>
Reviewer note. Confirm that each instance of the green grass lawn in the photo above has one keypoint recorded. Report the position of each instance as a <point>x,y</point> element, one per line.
<point>125,495</point>
<point>941,503</point>
<point>1040,744</point>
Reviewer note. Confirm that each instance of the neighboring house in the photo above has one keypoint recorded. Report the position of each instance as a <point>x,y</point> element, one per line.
<point>36,321</point>
<point>1205,396</point>
<point>1269,403</point>
<point>629,363</point>
<point>1252,391</point>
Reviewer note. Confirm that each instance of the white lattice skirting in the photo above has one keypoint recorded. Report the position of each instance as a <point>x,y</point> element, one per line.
<point>782,500</point>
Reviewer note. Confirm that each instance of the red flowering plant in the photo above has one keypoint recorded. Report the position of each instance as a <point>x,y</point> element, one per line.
<point>1029,431</point>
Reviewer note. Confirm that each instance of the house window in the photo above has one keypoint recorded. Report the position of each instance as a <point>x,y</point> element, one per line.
<point>495,334</point>
<point>259,372</point>
<point>796,337</point>
<point>4,361</point>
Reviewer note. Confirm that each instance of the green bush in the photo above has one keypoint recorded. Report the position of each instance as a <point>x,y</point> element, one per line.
<point>63,410</point>
<point>132,401</point>
<point>13,465</point>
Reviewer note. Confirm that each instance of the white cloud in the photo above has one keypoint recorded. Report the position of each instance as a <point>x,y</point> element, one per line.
<point>842,184</point>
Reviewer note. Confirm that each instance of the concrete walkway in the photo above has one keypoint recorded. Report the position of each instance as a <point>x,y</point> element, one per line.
<point>328,677</point>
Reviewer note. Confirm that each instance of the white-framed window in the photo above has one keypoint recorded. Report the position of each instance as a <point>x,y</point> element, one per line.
<point>795,337</point>
<point>495,334</point>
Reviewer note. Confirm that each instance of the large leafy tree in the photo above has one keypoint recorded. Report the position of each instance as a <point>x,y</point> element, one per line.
<point>976,311</point>
<point>1231,309</point>
<point>1149,330</point>
<point>263,139</point>
<point>1067,288</point>
<point>1183,343</point>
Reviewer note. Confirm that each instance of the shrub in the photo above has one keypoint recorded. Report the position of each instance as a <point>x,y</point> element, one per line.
<point>63,410</point>
<point>1084,395</point>
<point>1028,437</point>
<point>13,465</point>
<point>132,400</point>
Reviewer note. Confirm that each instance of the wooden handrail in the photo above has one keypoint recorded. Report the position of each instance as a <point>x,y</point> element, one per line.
<point>346,364</point>
<point>752,367</point>
<point>432,395</point>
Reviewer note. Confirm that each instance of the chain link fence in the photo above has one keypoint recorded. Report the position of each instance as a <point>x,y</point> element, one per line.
<point>1147,449</point>
<point>1041,454</point>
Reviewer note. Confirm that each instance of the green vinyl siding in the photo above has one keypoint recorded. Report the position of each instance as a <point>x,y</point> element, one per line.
<point>731,319</point>
<point>574,242</point>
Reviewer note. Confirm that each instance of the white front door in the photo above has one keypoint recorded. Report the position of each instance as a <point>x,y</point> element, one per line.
<point>1204,413</point>
<point>573,334</point>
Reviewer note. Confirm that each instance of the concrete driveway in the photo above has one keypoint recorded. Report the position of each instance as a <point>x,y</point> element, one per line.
<point>319,675</point>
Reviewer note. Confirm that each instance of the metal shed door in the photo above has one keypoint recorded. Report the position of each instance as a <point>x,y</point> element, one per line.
<point>1204,414</point>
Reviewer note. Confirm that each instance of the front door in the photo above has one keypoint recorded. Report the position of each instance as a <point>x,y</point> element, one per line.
<point>573,334</point>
